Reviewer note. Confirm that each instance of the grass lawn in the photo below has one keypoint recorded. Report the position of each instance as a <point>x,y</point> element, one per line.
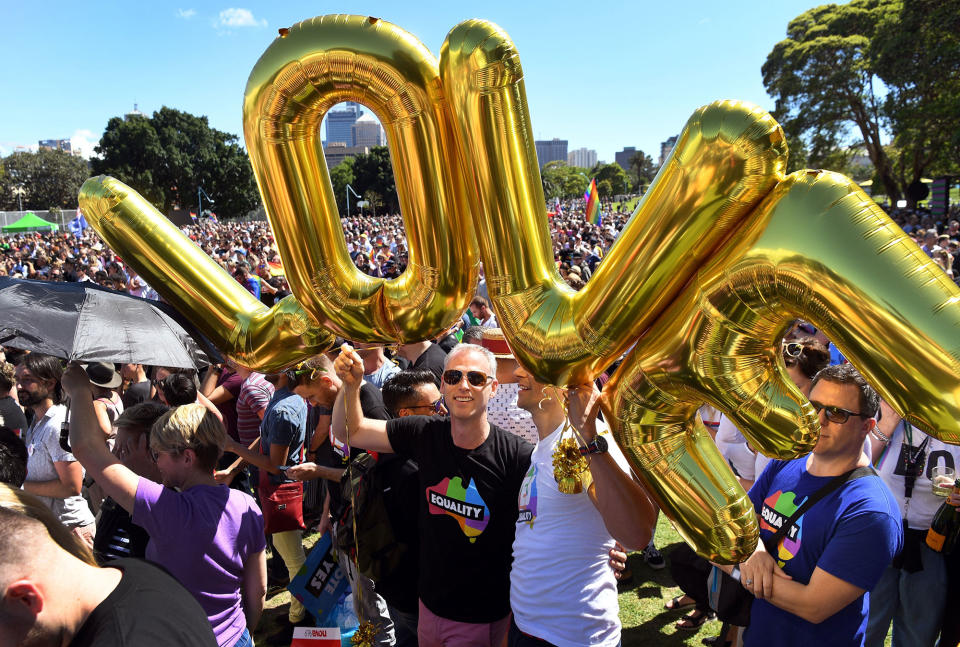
<point>645,621</point>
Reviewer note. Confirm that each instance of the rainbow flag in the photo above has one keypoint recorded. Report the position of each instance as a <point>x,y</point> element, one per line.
<point>593,203</point>
<point>276,269</point>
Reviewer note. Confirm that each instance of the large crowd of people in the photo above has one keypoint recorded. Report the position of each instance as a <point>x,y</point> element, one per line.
<point>206,473</point>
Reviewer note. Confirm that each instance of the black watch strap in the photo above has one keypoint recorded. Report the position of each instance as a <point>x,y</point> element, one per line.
<point>596,446</point>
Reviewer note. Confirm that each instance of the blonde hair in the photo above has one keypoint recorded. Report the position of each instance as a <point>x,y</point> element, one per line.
<point>190,426</point>
<point>17,501</point>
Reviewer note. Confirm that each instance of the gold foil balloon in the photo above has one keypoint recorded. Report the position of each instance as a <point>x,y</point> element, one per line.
<point>727,158</point>
<point>260,338</point>
<point>819,249</point>
<point>721,254</point>
<point>319,63</point>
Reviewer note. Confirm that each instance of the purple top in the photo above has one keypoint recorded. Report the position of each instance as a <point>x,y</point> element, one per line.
<point>203,536</point>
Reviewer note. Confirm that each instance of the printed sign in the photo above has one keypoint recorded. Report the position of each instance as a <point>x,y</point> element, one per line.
<point>316,637</point>
<point>320,583</point>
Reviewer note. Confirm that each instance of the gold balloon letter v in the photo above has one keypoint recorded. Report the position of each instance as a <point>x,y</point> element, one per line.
<point>721,254</point>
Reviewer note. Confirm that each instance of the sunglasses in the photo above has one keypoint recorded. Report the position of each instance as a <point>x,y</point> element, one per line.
<point>792,349</point>
<point>311,373</point>
<point>436,405</point>
<point>155,453</point>
<point>835,414</point>
<point>475,378</point>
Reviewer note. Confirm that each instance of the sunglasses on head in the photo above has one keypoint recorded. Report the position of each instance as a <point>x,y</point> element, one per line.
<point>835,414</point>
<point>301,369</point>
<point>475,378</point>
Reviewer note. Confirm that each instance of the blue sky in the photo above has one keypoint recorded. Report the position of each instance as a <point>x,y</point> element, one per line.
<point>601,74</point>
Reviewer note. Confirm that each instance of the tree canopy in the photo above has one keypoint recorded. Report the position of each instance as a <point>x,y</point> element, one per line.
<point>562,181</point>
<point>48,179</point>
<point>168,156</point>
<point>825,77</point>
<point>373,178</point>
<point>611,179</point>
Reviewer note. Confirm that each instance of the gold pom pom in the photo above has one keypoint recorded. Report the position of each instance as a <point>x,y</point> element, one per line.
<point>570,469</point>
<point>364,635</point>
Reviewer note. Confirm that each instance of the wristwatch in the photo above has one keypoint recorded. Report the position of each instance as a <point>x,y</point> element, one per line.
<point>596,446</point>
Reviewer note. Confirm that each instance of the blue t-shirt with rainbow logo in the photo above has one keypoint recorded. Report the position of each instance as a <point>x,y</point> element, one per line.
<point>852,533</point>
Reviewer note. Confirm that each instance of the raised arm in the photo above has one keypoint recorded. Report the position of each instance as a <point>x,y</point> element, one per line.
<point>349,424</point>
<point>627,512</point>
<point>87,442</point>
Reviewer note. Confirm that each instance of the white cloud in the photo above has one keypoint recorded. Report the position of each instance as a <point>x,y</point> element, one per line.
<point>186,14</point>
<point>10,146</point>
<point>84,140</point>
<point>235,17</point>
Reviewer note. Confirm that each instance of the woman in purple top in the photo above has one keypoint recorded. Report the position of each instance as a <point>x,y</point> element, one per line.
<point>208,536</point>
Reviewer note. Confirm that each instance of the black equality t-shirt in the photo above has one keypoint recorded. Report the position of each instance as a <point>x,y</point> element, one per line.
<point>149,608</point>
<point>468,512</point>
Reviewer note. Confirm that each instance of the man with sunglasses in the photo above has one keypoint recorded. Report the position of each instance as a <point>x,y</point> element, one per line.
<point>813,589</point>
<point>470,475</point>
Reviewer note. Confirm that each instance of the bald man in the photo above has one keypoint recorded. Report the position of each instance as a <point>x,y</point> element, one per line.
<point>52,597</point>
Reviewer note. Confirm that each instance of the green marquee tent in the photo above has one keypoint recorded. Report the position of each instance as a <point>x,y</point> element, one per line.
<point>30,222</point>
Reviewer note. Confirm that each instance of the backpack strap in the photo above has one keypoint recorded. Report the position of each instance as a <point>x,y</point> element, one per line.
<point>833,484</point>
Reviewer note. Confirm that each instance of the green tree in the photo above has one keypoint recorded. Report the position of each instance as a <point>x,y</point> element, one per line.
<point>374,172</point>
<point>168,156</point>
<point>340,176</point>
<point>49,178</point>
<point>642,168</point>
<point>823,83</point>
<point>611,179</point>
<point>916,52</point>
<point>563,181</point>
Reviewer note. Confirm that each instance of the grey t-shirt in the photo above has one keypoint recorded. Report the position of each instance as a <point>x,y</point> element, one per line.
<point>43,450</point>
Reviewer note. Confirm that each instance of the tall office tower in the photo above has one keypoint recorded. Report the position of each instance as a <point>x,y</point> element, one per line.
<point>367,132</point>
<point>582,157</point>
<point>340,123</point>
<point>551,150</point>
<point>623,157</point>
<point>666,148</point>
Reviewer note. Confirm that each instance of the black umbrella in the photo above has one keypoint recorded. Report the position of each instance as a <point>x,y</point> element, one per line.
<point>88,323</point>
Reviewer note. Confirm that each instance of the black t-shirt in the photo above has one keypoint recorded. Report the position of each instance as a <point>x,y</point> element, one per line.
<point>432,359</point>
<point>148,608</point>
<point>468,513</point>
<point>117,536</point>
<point>136,393</point>
<point>12,415</point>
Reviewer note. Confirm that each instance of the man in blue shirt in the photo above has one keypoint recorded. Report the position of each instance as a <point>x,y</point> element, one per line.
<point>813,590</point>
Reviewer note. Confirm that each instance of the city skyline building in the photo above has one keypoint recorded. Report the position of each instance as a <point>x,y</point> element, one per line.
<point>340,123</point>
<point>336,152</point>
<point>622,158</point>
<point>55,145</point>
<point>366,131</point>
<point>666,148</point>
<point>551,150</point>
<point>582,157</point>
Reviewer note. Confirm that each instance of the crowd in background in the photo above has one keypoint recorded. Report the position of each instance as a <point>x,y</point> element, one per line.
<point>133,439</point>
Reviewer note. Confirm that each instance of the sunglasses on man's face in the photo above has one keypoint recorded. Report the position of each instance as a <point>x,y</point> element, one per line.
<point>436,406</point>
<point>475,378</point>
<point>835,414</point>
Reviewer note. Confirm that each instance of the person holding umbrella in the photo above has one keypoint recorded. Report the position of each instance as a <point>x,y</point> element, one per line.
<point>207,535</point>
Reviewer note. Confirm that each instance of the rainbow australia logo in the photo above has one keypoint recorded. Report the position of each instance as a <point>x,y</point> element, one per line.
<point>464,504</point>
